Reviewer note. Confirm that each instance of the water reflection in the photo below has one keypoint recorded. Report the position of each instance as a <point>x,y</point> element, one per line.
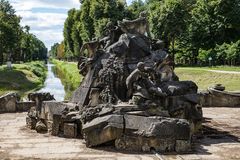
<point>53,84</point>
<point>68,86</point>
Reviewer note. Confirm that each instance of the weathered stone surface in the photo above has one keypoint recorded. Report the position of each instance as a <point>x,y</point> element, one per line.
<point>88,114</point>
<point>186,107</point>
<point>39,97</point>
<point>138,143</point>
<point>176,88</point>
<point>70,130</point>
<point>103,129</point>
<point>169,128</point>
<point>49,108</point>
<point>8,102</point>
<point>69,116</point>
<point>157,127</point>
<point>31,122</point>
<point>218,98</point>
<point>182,146</point>
<point>25,106</point>
<point>56,124</point>
<point>41,127</point>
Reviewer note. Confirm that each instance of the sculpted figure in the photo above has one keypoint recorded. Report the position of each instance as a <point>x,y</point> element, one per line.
<point>137,26</point>
<point>112,34</point>
<point>83,65</point>
<point>140,84</point>
<point>163,62</point>
<point>93,50</point>
<point>91,47</point>
<point>166,68</point>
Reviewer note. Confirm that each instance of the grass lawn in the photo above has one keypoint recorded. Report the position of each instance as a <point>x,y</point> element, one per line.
<point>22,78</point>
<point>69,75</point>
<point>204,78</point>
<point>222,68</point>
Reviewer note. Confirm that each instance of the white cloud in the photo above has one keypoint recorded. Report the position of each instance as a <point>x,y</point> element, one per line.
<point>49,36</point>
<point>42,19</point>
<point>45,17</point>
<point>23,5</point>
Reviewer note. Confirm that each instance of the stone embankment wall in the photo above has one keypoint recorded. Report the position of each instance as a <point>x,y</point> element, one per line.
<point>216,98</point>
<point>10,103</point>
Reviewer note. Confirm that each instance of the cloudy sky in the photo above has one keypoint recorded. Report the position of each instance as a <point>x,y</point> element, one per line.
<point>45,17</point>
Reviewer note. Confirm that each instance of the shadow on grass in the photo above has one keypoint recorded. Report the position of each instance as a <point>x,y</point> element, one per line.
<point>15,80</point>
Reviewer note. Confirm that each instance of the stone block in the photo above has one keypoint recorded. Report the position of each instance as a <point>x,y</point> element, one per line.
<point>140,143</point>
<point>31,122</point>
<point>182,146</point>
<point>8,102</point>
<point>56,124</point>
<point>103,129</point>
<point>24,106</point>
<point>160,127</point>
<point>41,127</point>
<point>70,130</point>
<point>49,108</point>
<point>217,98</point>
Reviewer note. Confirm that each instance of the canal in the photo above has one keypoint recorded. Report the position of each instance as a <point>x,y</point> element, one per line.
<point>53,84</point>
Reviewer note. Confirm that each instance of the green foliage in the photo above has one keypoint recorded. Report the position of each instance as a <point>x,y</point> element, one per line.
<point>169,19</point>
<point>193,30</point>
<point>53,51</point>
<point>69,75</point>
<point>17,44</point>
<point>87,23</point>
<point>135,9</point>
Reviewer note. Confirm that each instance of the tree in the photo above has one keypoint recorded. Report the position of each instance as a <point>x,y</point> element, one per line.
<point>169,19</point>
<point>16,41</point>
<point>53,51</point>
<point>9,30</point>
<point>87,26</point>
<point>68,25</point>
<point>135,9</point>
<point>60,51</point>
<point>87,23</point>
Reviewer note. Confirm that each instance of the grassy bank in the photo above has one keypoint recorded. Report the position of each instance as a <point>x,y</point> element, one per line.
<point>204,78</point>
<point>22,78</point>
<point>222,68</point>
<point>69,75</point>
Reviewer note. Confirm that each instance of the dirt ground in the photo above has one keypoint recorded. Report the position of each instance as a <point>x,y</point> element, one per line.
<point>220,141</point>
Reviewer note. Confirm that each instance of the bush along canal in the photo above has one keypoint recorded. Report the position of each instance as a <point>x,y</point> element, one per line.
<point>69,75</point>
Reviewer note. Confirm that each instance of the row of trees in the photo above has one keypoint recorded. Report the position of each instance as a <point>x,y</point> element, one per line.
<point>16,43</point>
<point>89,21</point>
<point>193,30</point>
